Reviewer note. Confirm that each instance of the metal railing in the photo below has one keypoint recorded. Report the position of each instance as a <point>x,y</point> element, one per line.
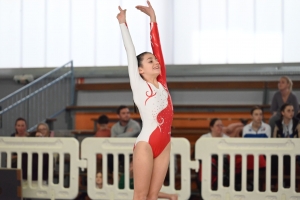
<point>44,98</point>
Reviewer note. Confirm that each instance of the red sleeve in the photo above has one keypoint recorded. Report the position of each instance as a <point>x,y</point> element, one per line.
<point>157,51</point>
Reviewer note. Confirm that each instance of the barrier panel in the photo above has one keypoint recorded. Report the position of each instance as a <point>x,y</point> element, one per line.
<point>59,155</point>
<point>51,167</point>
<point>285,152</point>
<point>115,147</point>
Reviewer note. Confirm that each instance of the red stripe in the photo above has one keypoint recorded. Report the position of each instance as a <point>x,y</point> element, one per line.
<point>161,136</point>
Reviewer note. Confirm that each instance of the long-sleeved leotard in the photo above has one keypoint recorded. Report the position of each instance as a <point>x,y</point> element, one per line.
<point>154,104</point>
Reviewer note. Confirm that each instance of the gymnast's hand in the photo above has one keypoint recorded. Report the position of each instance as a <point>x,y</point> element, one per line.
<point>148,10</point>
<point>122,15</point>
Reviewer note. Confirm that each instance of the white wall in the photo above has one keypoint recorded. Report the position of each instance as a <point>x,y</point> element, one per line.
<point>48,33</point>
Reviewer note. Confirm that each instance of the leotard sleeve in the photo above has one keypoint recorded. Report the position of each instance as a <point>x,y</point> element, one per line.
<point>133,71</point>
<point>157,51</point>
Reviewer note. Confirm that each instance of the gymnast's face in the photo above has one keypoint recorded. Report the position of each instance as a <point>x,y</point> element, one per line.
<point>149,65</point>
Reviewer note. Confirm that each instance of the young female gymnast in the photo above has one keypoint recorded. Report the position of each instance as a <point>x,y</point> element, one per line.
<point>147,73</point>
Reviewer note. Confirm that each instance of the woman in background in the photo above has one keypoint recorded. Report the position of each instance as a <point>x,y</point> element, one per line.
<point>282,96</point>
<point>42,130</point>
<point>287,126</point>
<point>216,129</point>
<point>21,128</point>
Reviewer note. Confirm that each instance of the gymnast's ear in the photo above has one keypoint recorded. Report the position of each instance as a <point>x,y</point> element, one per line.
<point>141,70</point>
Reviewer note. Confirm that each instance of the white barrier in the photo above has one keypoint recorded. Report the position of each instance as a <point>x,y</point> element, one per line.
<point>52,147</point>
<point>93,146</point>
<point>206,147</point>
<point>90,148</point>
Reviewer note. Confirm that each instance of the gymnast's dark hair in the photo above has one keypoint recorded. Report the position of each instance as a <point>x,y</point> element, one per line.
<point>140,58</point>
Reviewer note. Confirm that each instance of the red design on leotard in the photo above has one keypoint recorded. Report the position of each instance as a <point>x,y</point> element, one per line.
<point>161,136</point>
<point>151,95</point>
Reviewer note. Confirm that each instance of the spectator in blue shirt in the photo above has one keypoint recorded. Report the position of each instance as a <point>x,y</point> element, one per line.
<point>257,128</point>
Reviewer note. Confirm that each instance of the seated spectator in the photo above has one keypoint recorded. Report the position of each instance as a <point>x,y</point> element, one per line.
<point>102,127</point>
<point>125,127</point>
<point>21,128</point>
<point>102,131</point>
<point>219,130</point>
<point>287,126</point>
<point>42,130</point>
<point>131,185</point>
<point>257,128</point>
<point>99,180</point>
<point>216,128</point>
<point>20,131</point>
<point>282,96</point>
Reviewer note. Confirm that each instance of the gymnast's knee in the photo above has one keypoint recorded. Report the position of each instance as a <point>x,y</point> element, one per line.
<point>140,196</point>
<point>152,196</point>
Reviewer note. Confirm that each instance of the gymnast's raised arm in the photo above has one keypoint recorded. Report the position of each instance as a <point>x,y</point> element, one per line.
<point>155,41</point>
<point>130,50</point>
